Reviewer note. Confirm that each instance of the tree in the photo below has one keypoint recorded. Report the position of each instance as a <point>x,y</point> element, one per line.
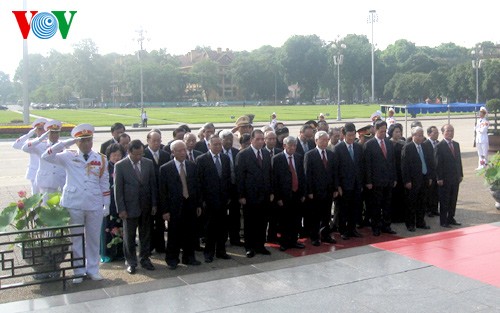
<point>205,74</point>
<point>6,89</point>
<point>303,59</point>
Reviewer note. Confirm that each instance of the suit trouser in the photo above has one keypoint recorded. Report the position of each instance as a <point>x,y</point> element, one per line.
<point>432,198</point>
<point>216,234</point>
<point>272,221</point>
<point>92,221</point>
<point>289,219</point>
<point>448,195</point>
<point>415,210</point>
<point>157,225</point>
<point>321,215</point>
<point>181,234</point>
<point>381,206</point>
<point>234,218</point>
<point>349,208</point>
<point>254,223</point>
<point>130,225</point>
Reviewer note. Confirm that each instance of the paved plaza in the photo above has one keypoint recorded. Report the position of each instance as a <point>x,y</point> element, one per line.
<point>436,270</point>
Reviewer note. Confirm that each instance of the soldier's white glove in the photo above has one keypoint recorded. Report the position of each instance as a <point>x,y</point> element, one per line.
<point>69,142</point>
<point>105,210</point>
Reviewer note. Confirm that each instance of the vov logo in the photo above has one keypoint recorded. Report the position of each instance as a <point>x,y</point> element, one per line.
<point>44,25</point>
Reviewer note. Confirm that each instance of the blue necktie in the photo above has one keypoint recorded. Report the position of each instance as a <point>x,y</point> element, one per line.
<point>422,159</point>
<point>351,152</point>
<point>218,165</point>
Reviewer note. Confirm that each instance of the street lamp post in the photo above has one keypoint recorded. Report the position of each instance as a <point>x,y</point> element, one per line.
<point>477,53</point>
<point>372,18</point>
<point>338,60</point>
<point>140,40</point>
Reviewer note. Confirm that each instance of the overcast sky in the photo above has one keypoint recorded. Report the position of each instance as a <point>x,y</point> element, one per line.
<point>179,26</point>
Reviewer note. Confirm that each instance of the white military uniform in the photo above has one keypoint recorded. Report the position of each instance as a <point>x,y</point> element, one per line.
<point>482,141</point>
<point>50,177</point>
<point>34,162</point>
<point>85,194</point>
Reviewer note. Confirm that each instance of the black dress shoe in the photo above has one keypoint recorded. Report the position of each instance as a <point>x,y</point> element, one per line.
<point>376,232</point>
<point>388,230</point>
<point>131,270</point>
<point>356,234</point>
<point>172,266</point>
<point>445,226</point>
<point>250,253</point>
<point>316,243</point>
<point>147,265</point>
<point>299,245</point>
<point>223,256</point>
<point>424,227</point>
<point>263,251</point>
<point>192,261</point>
<point>283,248</point>
<point>345,237</point>
<point>209,259</point>
<point>411,228</point>
<point>454,222</point>
<point>329,239</point>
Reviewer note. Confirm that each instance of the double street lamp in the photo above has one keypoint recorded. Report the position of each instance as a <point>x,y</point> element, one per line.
<point>338,60</point>
<point>373,18</point>
<point>477,53</point>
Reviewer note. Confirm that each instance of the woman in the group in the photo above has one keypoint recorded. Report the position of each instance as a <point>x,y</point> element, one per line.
<point>398,203</point>
<point>112,227</point>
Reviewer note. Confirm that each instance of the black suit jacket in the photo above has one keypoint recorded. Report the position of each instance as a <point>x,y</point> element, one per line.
<point>196,154</point>
<point>349,172</point>
<point>105,145</point>
<point>320,181</point>
<point>300,149</point>
<point>448,167</point>
<point>379,171</point>
<point>282,176</point>
<point>275,151</point>
<point>214,189</point>
<point>171,198</point>
<point>201,146</point>
<point>163,158</point>
<point>254,182</point>
<point>411,165</point>
<point>132,195</point>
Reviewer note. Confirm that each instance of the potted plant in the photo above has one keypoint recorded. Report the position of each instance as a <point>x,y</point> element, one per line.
<point>493,106</point>
<point>491,175</point>
<point>41,246</point>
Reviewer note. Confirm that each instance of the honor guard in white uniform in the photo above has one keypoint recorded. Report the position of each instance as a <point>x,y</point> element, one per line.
<point>390,119</point>
<point>50,177</point>
<point>34,158</point>
<point>85,194</point>
<point>482,141</point>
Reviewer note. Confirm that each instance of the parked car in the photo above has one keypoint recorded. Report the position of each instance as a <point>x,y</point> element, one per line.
<point>3,107</point>
<point>220,104</point>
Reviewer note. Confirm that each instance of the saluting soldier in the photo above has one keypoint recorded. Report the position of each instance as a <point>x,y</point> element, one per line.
<point>482,141</point>
<point>49,177</point>
<point>34,158</point>
<point>85,194</point>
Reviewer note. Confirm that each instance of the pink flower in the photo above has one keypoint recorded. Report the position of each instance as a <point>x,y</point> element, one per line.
<point>20,204</point>
<point>21,194</point>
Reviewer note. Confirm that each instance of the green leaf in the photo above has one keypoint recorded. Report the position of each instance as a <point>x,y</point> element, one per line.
<point>33,201</point>
<point>7,216</point>
<point>54,199</point>
<point>55,216</point>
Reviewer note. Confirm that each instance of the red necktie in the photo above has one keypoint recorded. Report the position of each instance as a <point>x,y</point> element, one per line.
<point>452,148</point>
<point>324,158</point>
<point>259,158</point>
<point>191,156</point>
<point>384,150</point>
<point>295,180</point>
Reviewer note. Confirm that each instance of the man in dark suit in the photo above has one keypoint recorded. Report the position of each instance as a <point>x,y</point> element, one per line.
<point>348,163</point>
<point>214,172</point>
<point>135,195</point>
<point>449,175</point>
<point>272,219</point>
<point>202,145</point>
<point>380,178</point>
<point>432,202</point>
<point>180,202</point>
<point>234,206</point>
<point>321,186</point>
<point>303,143</point>
<point>289,186</point>
<point>417,169</point>
<point>253,174</point>
<point>192,153</point>
<point>159,157</point>
<point>116,130</point>
<point>177,134</point>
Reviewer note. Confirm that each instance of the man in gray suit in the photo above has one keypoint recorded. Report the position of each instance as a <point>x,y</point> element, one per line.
<point>136,200</point>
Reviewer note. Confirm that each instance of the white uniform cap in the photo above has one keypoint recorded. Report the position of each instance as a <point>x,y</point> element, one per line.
<point>39,122</point>
<point>82,131</point>
<point>53,125</point>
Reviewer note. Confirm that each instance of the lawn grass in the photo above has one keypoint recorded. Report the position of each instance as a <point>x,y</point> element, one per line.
<point>7,116</point>
<point>199,115</point>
